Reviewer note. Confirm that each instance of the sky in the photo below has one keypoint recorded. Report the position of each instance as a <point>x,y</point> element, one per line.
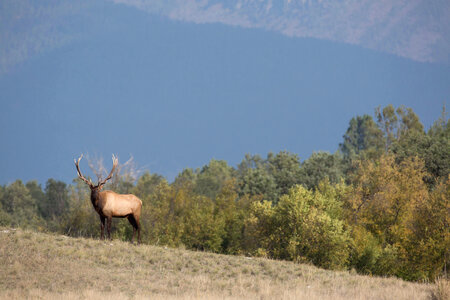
<point>178,83</point>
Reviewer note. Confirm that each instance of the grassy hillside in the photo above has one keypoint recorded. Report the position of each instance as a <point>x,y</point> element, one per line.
<point>44,266</point>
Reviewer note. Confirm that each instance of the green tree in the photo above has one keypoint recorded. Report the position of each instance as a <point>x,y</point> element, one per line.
<point>392,203</point>
<point>254,179</point>
<point>251,162</point>
<point>56,199</point>
<point>437,154</point>
<point>21,207</point>
<point>409,122</point>
<point>259,236</point>
<point>5,218</point>
<point>37,194</point>
<point>80,219</point>
<point>320,166</point>
<point>432,147</point>
<point>146,184</point>
<point>212,177</point>
<point>162,215</point>
<point>303,226</point>
<point>397,124</point>
<point>271,177</point>
<point>388,123</point>
<point>428,243</point>
<point>285,169</point>
<point>123,185</point>
<point>310,228</point>
<point>232,211</point>
<point>202,230</point>
<point>385,194</point>
<point>187,179</point>
<point>363,139</point>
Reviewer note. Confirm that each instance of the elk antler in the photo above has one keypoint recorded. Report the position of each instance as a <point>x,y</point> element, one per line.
<point>115,162</point>
<point>77,164</point>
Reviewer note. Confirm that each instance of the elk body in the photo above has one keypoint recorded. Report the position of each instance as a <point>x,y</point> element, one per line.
<point>109,204</point>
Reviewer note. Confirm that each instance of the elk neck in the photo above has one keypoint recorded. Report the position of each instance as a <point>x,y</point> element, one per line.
<point>95,195</point>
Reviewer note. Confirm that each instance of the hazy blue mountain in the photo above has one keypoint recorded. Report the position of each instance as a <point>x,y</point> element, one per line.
<point>416,29</point>
<point>102,77</point>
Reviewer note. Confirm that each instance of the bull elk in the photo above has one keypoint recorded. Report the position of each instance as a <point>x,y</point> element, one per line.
<point>112,205</point>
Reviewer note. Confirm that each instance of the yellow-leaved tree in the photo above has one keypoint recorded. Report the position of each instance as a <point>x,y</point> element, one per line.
<point>386,211</point>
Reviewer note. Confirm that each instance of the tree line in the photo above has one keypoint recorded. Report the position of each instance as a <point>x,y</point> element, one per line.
<point>379,205</point>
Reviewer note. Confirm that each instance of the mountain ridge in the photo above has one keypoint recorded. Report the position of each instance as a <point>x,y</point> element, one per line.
<point>417,29</point>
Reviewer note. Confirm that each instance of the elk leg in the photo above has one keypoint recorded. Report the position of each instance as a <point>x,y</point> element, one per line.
<point>133,223</point>
<point>102,227</point>
<point>139,231</point>
<point>109,227</point>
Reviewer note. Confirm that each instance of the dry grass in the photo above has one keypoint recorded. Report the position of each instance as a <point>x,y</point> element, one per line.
<point>45,266</point>
<point>441,290</point>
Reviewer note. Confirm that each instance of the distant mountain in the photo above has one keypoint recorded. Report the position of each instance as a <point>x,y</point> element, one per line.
<point>31,27</point>
<point>415,29</point>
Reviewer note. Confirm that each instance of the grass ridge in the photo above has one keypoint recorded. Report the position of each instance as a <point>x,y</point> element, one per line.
<point>50,266</point>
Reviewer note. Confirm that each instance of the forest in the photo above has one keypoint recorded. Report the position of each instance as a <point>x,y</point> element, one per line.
<point>379,205</point>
